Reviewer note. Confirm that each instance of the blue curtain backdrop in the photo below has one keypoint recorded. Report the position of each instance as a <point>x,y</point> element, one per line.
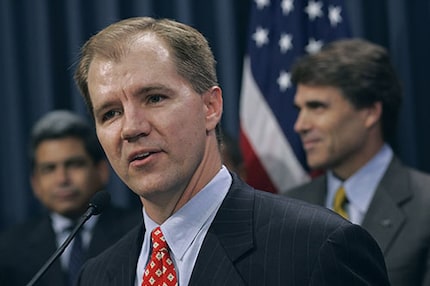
<point>41,40</point>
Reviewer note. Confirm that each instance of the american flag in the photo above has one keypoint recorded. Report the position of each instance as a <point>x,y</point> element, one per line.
<point>280,31</point>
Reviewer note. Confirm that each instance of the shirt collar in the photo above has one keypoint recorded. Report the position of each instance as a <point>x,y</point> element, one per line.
<point>62,224</point>
<point>361,186</point>
<point>183,226</point>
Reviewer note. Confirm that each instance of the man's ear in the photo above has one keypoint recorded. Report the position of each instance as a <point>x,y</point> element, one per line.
<point>213,103</point>
<point>374,113</point>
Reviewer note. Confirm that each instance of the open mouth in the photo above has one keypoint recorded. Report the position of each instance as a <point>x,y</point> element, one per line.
<point>141,156</point>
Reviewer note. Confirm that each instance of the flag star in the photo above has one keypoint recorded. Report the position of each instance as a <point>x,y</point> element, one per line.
<point>285,42</point>
<point>334,15</point>
<point>287,6</point>
<point>262,3</point>
<point>314,9</point>
<point>284,81</point>
<point>313,46</point>
<point>261,36</point>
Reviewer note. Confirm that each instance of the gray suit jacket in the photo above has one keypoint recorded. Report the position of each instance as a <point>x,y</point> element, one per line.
<point>398,218</point>
<point>258,238</point>
<point>25,248</point>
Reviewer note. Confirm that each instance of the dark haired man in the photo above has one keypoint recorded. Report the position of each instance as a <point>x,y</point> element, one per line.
<point>68,168</point>
<point>349,96</point>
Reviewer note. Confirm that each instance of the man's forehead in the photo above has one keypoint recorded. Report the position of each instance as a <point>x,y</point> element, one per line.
<point>318,91</point>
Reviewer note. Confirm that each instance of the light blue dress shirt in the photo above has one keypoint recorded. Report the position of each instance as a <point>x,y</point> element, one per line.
<point>361,186</point>
<point>186,229</point>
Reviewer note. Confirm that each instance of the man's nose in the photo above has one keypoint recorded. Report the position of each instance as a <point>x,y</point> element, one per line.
<point>135,124</point>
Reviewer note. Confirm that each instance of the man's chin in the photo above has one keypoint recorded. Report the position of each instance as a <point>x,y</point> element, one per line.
<point>317,165</point>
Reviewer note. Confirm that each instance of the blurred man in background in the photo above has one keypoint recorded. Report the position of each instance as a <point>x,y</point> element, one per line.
<point>68,168</point>
<point>349,96</point>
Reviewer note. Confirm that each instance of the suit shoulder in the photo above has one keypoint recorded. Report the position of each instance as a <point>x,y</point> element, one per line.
<point>272,208</point>
<point>276,213</point>
<point>278,209</point>
<point>405,183</point>
<point>419,177</point>
<point>418,185</point>
<point>317,231</point>
<point>24,232</point>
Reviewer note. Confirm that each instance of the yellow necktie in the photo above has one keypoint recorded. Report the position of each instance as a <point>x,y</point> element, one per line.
<point>339,202</point>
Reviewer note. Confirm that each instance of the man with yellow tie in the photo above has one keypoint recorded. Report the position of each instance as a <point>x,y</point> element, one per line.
<point>348,97</point>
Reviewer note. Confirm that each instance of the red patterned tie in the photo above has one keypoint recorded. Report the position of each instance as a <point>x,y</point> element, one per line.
<point>160,270</point>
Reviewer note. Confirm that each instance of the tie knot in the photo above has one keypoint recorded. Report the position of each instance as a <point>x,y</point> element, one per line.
<point>341,194</point>
<point>158,241</point>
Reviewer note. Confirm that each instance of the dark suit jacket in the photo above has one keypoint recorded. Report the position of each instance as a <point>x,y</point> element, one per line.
<point>25,248</point>
<point>398,218</point>
<point>258,238</point>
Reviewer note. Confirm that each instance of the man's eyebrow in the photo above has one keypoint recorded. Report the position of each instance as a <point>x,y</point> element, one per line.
<point>315,103</point>
<point>148,89</point>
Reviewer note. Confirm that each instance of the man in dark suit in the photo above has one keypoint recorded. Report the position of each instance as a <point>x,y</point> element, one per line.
<point>349,97</point>
<point>152,88</point>
<point>68,168</point>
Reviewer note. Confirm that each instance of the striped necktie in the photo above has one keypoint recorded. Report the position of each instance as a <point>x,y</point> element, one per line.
<point>76,259</point>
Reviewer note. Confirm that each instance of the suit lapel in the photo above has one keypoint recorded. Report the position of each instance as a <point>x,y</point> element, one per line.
<point>384,217</point>
<point>229,237</point>
<point>122,269</point>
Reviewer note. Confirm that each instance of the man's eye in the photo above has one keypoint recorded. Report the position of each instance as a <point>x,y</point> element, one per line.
<point>46,169</point>
<point>77,163</point>
<point>316,105</point>
<point>108,115</point>
<point>155,98</point>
